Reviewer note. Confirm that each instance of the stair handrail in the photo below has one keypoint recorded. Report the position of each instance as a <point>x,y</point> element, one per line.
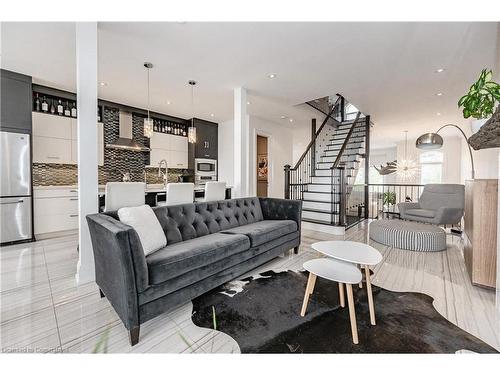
<point>346,141</point>
<point>313,140</point>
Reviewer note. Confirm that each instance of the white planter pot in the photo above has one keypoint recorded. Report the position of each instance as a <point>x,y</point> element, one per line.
<point>476,124</point>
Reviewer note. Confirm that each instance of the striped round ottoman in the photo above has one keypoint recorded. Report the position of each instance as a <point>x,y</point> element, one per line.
<point>408,235</point>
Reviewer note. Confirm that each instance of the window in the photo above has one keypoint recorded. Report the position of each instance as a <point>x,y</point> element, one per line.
<point>431,167</point>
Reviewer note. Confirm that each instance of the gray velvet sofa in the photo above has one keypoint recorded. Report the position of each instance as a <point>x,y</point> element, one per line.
<point>208,244</point>
<point>439,204</point>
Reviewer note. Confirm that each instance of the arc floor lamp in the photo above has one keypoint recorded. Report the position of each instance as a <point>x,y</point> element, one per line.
<point>433,141</point>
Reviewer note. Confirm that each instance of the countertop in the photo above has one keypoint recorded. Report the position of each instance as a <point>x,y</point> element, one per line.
<point>150,188</point>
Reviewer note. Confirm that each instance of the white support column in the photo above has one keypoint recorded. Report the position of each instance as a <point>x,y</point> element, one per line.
<point>241,144</point>
<point>88,202</point>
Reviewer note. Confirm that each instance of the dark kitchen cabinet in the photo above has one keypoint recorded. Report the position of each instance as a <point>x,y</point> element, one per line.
<point>206,146</point>
<point>16,96</point>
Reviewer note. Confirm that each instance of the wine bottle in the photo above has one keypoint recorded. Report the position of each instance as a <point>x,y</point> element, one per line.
<point>37,103</point>
<point>60,109</point>
<point>98,114</point>
<point>155,125</point>
<point>67,112</point>
<point>183,131</point>
<point>169,129</point>
<point>52,107</point>
<point>45,105</point>
<point>73,110</point>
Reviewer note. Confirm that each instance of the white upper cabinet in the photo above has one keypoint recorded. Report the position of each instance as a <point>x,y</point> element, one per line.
<point>45,125</point>
<point>55,139</point>
<point>172,148</point>
<point>178,143</point>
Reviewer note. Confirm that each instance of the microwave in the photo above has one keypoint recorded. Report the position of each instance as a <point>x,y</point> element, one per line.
<point>205,167</point>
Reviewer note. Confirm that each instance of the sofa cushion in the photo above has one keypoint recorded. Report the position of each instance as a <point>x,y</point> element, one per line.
<point>182,257</point>
<point>422,212</point>
<point>265,230</point>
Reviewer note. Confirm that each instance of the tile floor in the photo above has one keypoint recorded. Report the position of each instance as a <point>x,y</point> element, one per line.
<point>42,309</point>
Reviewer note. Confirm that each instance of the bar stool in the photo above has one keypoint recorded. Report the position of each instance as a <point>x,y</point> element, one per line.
<point>215,191</point>
<point>339,271</point>
<point>179,193</point>
<point>124,194</point>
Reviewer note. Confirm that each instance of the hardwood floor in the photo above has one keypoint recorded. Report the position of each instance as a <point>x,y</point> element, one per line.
<point>42,309</point>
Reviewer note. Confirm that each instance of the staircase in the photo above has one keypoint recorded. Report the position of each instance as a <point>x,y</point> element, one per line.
<point>324,176</point>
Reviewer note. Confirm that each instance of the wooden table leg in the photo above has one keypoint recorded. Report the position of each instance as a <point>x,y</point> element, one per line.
<point>370,296</point>
<point>309,289</point>
<point>341,295</point>
<point>352,314</point>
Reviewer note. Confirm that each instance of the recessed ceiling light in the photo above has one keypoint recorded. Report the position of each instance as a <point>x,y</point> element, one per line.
<point>249,103</point>
<point>440,70</point>
<point>283,117</point>
<point>103,83</point>
<point>439,94</point>
<point>438,114</point>
<point>272,75</point>
<point>291,120</point>
<point>212,115</point>
<point>169,102</point>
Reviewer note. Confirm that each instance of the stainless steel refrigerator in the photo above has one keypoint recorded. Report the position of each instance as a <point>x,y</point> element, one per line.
<point>15,188</point>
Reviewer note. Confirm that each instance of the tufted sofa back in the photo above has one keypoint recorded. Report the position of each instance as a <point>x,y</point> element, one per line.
<point>187,221</point>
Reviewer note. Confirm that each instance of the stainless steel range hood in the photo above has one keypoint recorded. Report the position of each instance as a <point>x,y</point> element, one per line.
<point>125,141</point>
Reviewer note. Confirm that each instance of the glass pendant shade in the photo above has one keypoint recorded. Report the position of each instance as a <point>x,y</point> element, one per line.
<point>192,134</point>
<point>148,127</point>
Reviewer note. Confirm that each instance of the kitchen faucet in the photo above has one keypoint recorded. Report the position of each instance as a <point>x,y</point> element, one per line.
<point>160,173</point>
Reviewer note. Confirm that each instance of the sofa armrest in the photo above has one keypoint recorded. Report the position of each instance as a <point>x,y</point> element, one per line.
<point>120,265</point>
<point>281,209</point>
<point>403,206</point>
<point>448,215</point>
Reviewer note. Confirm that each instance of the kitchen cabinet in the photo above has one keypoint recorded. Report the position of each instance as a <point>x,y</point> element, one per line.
<point>16,94</point>
<point>172,148</point>
<point>206,145</point>
<point>55,210</point>
<point>55,139</point>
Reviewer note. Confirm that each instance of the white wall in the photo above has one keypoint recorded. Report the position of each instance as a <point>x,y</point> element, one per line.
<point>452,160</point>
<point>382,156</point>
<point>301,136</point>
<point>280,149</point>
<point>226,150</point>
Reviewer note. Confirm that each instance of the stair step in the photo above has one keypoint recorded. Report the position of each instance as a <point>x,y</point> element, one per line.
<point>323,206</point>
<point>343,134</point>
<point>350,145</point>
<point>335,153</point>
<point>325,180</point>
<point>331,159</point>
<point>319,197</point>
<point>322,188</point>
<point>341,141</point>
<point>321,216</point>
<point>327,165</point>
<point>326,173</point>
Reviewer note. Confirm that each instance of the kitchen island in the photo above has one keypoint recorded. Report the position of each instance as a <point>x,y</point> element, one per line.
<point>56,206</point>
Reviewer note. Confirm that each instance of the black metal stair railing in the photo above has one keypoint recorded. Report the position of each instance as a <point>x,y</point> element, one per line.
<point>298,177</point>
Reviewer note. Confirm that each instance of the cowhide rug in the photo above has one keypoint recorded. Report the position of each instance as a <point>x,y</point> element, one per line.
<point>263,315</point>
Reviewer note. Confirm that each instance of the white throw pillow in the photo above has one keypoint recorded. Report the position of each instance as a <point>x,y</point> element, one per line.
<point>147,226</point>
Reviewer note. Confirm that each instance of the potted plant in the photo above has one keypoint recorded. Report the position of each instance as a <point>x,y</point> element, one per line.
<point>480,103</point>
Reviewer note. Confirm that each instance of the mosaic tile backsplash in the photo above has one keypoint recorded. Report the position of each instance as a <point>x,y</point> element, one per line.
<point>116,162</point>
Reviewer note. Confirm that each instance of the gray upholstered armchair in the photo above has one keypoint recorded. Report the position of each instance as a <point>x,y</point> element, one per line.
<point>439,204</point>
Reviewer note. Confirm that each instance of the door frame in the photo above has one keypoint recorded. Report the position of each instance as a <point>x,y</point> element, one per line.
<point>270,167</point>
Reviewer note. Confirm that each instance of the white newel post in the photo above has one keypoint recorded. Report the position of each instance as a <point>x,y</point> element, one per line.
<point>241,144</point>
<point>88,201</point>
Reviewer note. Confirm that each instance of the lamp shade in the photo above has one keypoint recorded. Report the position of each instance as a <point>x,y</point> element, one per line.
<point>429,141</point>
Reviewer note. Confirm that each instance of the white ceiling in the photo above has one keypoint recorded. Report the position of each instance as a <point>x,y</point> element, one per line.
<point>386,69</point>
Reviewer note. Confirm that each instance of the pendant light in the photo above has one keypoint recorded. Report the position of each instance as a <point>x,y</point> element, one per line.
<point>192,129</point>
<point>407,168</point>
<point>148,122</point>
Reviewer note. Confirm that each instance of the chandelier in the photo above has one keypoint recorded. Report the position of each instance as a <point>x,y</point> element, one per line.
<point>407,169</point>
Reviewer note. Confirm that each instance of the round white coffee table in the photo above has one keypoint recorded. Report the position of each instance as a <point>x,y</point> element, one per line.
<point>353,252</point>
<point>334,270</point>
